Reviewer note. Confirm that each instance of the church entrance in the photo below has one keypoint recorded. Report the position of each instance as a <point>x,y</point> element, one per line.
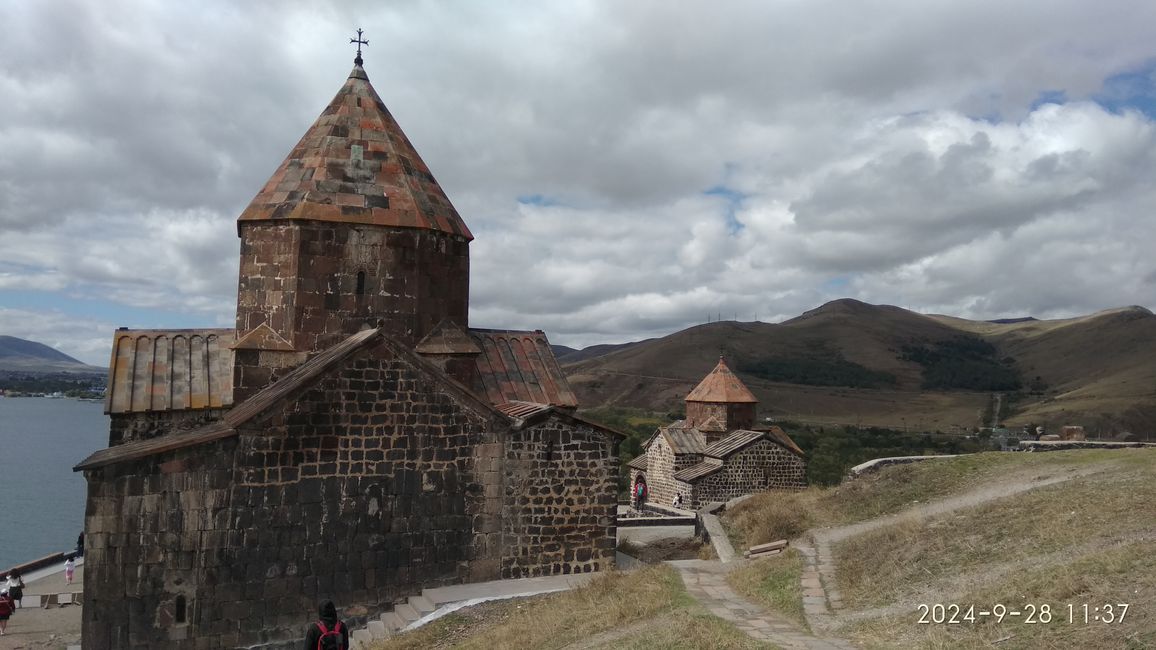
<point>639,492</point>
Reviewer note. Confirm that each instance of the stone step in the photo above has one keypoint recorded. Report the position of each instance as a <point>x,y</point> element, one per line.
<point>407,613</point>
<point>393,621</point>
<point>422,604</point>
<point>360,639</point>
<point>377,630</point>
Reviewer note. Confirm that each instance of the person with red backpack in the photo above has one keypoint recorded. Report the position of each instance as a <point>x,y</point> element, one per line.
<point>329,632</point>
<point>7,607</point>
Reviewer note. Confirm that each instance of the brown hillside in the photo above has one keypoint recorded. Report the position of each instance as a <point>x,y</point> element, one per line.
<point>1097,369</point>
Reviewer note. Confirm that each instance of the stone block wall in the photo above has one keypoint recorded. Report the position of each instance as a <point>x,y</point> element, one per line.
<point>343,275</point>
<point>267,288</point>
<point>377,481</point>
<point>560,500</point>
<point>730,417</point>
<point>127,427</point>
<point>761,466</point>
<point>661,465</point>
<point>155,530</point>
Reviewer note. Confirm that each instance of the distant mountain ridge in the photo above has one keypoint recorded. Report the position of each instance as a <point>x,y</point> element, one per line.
<point>22,355</point>
<point>850,362</point>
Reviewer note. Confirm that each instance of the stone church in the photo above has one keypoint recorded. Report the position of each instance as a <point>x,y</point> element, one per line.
<point>353,438</point>
<point>717,453</point>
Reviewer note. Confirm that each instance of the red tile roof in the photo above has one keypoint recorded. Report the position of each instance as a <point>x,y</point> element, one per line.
<point>721,386</point>
<point>355,165</point>
<point>519,366</point>
<point>170,370</point>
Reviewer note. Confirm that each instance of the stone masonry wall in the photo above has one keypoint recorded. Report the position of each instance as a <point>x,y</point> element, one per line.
<point>762,466</point>
<point>126,427</point>
<point>362,490</point>
<point>155,531</point>
<point>267,288</point>
<point>376,482</point>
<point>347,274</point>
<point>560,501</point>
<point>662,464</point>
<point>730,416</point>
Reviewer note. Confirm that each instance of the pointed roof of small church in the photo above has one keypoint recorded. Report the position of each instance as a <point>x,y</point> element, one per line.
<point>721,386</point>
<point>355,165</point>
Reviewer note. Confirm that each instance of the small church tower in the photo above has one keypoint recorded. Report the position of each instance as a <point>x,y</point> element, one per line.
<point>720,403</point>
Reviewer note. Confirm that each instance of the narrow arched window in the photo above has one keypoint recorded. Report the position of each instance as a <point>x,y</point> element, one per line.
<point>360,283</point>
<point>181,610</point>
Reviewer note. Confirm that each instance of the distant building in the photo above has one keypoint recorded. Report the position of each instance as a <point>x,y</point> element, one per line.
<point>352,438</point>
<point>717,453</point>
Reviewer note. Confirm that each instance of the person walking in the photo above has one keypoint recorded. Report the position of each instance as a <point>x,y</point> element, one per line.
<point>16,589</point>
<point>6,609</point>
<point>69,570</point>
<point>329,632</point>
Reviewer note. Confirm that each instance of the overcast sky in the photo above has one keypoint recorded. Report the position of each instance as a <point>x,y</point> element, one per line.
<point>627,168</point>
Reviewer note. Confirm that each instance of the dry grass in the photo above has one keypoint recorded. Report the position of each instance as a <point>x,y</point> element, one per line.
<point>774,583</point>
<point>611,611</point>
<point>1051,524</point>
<point>778,515</point>
<point>768,517</point>
<point>1122,574</point>
<point>691,630</point>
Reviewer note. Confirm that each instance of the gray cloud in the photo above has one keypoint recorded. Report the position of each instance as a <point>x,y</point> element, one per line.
<point>627,168</point>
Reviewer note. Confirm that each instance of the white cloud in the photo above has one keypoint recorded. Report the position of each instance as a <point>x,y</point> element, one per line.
<point>888,151</point>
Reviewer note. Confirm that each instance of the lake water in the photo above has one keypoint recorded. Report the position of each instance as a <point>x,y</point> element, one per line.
<point>41,498</point>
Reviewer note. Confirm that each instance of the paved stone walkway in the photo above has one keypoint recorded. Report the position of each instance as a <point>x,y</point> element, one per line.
<point>706,581</point>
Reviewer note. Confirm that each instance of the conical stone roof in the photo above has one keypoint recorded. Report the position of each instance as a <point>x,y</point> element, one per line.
<point>721,386</point>
<point>355,165</point>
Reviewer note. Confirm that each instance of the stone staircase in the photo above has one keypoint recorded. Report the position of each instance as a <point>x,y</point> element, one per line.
<point>415,608</point>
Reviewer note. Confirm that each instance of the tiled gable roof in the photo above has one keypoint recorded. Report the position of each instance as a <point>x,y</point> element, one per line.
<point>732,443</point>
<point>781,437</point>
<point>298,379</point>
<point>681,439</point>
<point>696,472</point>
<point>170,370</point>
<point>355,165</point>
<point>520,367</point>
<point>639,462</point>
<point>301,379</point>
<point>721,386</point>
<point>738,440</point>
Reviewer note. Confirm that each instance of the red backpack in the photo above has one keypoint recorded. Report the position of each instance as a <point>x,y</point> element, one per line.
<point>6,606</point>
<point>329,639</point>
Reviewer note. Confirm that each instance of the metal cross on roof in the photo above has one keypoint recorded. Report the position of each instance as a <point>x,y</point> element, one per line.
<point>359,42</point>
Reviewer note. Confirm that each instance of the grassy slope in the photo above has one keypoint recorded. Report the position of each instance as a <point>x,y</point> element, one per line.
<point>1087,540</point>
<point>645,609</point>
<point>1091,540</point>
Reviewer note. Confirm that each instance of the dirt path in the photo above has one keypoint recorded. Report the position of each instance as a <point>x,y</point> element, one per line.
<point>705,580</point>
